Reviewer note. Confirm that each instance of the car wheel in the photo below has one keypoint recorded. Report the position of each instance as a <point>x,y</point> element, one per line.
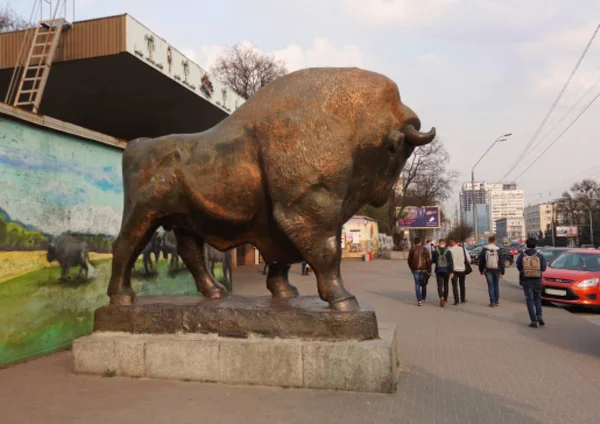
<point>507,263</point>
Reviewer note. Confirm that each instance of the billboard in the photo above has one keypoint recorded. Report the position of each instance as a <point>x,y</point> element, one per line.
<point>566,231</point>
<point>415,217</point>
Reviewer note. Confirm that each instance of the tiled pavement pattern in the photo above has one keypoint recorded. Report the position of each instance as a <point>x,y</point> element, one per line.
<point>465,364</point>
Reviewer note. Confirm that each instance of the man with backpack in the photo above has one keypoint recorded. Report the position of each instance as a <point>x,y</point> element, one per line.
<point>442,258</point>
<point>419,263</point>
<point>531,265</point>
<point>491,265</point>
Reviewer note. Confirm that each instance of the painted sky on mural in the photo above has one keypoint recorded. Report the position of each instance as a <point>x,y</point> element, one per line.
<point>63,192</point>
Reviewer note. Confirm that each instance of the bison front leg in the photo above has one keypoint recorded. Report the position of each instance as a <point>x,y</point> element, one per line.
<point>278,281</point>
<point>318,238</point>
<point>191,249</point>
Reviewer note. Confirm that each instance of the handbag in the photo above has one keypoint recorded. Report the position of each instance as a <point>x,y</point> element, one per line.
<point>468,268</point>
<point>424,279</point>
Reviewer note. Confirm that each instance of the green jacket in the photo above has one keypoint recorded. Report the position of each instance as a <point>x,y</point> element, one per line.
<point>436,258</point>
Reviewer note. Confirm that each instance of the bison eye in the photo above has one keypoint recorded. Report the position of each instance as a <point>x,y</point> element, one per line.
<point>390,146</point>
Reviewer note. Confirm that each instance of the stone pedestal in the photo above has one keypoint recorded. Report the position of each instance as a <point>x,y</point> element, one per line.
<point>362,366</point>
<point>304,317</point>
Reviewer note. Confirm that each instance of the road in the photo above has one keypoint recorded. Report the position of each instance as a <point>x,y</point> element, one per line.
<point>459,364</point>
<point>585,313</point>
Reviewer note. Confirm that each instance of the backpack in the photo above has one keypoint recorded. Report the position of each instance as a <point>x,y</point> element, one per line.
<point>491,259</point>
<point>442,262</point>
<point>532,266</point>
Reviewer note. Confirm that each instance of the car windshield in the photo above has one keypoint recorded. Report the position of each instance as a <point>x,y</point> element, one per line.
<point>577,262</point>
<point>548,254</point>
<point>477,250</point>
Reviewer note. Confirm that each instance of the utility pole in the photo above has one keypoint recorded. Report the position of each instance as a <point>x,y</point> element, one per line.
<point>475,226</point>
<point>475,229</point>
<point>552,226</point>
<point>591,229</point>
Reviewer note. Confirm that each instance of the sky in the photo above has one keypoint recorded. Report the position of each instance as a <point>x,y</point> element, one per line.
<point>474,69</point>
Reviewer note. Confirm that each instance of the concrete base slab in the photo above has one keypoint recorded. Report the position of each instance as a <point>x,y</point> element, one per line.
<point>361,366</point>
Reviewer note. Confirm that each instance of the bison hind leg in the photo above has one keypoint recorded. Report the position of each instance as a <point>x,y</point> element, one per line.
<point>191,249</point>
<point>138,226</point>
<point>278,281</point>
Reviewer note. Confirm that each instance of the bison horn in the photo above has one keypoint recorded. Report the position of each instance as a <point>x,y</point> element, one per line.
<point>416,137</point>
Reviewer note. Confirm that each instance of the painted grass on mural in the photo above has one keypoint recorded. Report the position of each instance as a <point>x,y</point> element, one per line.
<point>17,263</point>
<point>40,314</point>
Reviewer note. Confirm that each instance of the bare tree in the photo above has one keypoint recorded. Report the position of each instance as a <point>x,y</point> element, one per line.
<point>245,70</point>
<point>461,232</point>
<point>10,20</point>
<point>425,181</point>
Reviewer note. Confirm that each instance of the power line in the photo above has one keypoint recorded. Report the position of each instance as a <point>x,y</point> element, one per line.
<point>549,113</point>
<point>556,126</point>
<point>566,183</point>
<point>559,136</point>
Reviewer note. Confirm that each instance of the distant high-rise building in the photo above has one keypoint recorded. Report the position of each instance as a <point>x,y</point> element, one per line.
<point>498,199</point>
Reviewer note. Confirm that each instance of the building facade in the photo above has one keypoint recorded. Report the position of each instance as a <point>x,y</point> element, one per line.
<point>505,202</point>
<point>499,200</point>
<point>538,219</point>
<point>510,229</point>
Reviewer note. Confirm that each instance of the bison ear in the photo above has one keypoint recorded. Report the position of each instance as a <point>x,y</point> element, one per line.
<point>393,141</point>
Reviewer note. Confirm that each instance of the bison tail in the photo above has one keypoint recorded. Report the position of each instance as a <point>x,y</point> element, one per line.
<point>87,256</point>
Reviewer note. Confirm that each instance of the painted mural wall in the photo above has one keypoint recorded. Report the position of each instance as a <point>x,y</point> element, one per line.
<point>61,200</point>
<point>360,235</point>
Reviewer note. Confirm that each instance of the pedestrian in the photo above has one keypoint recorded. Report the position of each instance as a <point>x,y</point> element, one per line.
<point>429,247</point>
<point>459,274</point>
<point>419,263</point>
<point>304,268</point>
<point>492,266</point>
<point>265,269</point>
<point>442,258</point>
<point>531,265</point>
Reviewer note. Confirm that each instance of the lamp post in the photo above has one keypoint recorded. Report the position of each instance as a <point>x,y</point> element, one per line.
<point>475,227</point>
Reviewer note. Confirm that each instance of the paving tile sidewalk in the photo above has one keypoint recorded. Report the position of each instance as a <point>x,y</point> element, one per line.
<point>460,364</point>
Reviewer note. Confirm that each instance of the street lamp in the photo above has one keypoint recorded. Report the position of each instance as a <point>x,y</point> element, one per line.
<point>475,227</point>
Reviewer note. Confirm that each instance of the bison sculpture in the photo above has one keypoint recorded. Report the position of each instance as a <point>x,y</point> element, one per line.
<point>284,172</point>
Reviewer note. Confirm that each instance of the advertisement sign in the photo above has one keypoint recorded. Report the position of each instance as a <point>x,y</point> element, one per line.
<point>414,217</point>
<point>566,231</point>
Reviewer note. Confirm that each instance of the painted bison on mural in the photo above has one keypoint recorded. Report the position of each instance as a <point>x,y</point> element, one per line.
<point>154,246</point>
<point>214,257</point>
<point>69,251</point>
<point>284,172</point>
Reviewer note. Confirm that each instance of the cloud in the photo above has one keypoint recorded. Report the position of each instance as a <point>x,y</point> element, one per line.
<point>400,12</point>
<point>553,56</point>
<point>564,40</point>
<point>322,52</point>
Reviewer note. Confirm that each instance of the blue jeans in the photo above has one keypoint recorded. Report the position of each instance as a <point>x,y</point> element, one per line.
<point>493,281</point>
<point>532,296</point>
<point>421,291</point>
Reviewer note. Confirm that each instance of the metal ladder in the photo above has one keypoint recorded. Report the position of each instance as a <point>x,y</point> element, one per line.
<point>31,75</point>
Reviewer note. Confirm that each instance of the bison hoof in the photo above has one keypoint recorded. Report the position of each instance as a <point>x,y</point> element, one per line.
<point>216,293</point>
<point>347,304</point>
<point>122,299</point>
<point>285,293</point>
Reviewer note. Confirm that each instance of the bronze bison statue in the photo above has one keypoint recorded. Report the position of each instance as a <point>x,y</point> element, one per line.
<point>284,172</point>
